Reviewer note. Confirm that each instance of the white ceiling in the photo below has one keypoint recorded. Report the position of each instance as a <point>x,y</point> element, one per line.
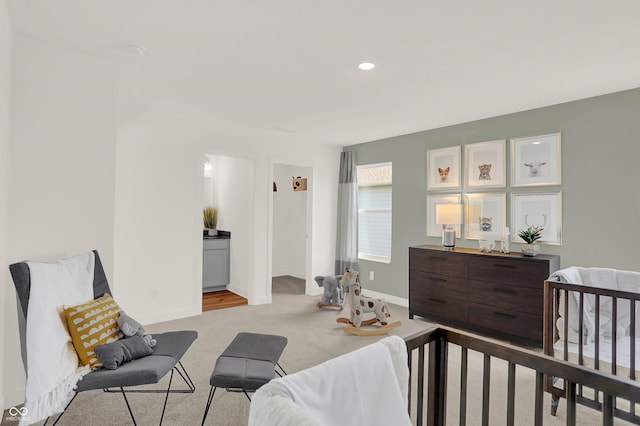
<point>288,68</point>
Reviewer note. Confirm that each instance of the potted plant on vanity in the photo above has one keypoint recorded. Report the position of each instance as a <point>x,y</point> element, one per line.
<point>210,218</point>
<point>530,236</point>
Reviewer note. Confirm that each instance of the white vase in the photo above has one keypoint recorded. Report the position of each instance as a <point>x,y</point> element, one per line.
<point>530,249</point>
<point>213,232</point>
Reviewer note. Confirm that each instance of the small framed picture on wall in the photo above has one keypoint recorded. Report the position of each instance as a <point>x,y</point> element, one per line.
<point>433,229</point>
<point>484,215</point>
<point>536,160</point>
<point>485,164</point>
<point>537,210</point>
<point>443,168</point>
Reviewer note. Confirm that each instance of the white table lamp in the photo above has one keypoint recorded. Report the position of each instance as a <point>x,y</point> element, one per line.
<point>448,215</point>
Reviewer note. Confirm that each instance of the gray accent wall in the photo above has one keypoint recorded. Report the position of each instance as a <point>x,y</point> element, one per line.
<point>600,182</point>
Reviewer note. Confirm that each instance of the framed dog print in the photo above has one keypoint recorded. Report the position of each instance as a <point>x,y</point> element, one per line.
<point>536,160</point>
<point>443,168</point>
<point>484,215</point>
<point>539,210</point>
<point>485,164</point>
<point>433,229</point>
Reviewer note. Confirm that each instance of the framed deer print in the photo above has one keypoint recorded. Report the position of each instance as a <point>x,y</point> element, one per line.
<point>485,164</point>
<point>536,160</point>
<point>538,210</point>
<point>443,168</point>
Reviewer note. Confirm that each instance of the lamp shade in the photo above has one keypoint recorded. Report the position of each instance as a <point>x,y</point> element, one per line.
<point>448,214</point>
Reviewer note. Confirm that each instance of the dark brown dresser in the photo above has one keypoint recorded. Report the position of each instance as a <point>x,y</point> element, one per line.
<point>493,293</point>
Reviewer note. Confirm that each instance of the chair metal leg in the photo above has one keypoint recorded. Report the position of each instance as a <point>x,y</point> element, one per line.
<point>166,398</point>
<point>282,369</point>
<point>63,411</point>
<point>187,379</point>
<point>212,391</point>
<point>124,395</point>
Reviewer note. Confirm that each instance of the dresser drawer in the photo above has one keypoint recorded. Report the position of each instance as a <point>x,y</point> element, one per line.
<point>509,271</point>
<point>518,298</point>
<point>452,308</point>
<point>508,321</point>
<point>442,263</point>
<point>441,286</point>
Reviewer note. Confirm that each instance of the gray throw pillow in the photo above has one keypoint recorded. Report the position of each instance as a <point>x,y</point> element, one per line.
<point>114,354</point>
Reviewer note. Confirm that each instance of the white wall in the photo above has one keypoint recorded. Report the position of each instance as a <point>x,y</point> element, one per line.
<point>61,168</point>
<point>6,288</point>
<point>234,199</point>
<point>289,222</point>
<point>159,165</point>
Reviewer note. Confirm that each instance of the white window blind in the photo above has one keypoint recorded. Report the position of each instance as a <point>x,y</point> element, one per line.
<point>374,212</point>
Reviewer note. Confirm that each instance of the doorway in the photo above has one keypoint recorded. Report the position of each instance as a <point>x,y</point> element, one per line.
<point>229,187</point>
<point>291,220</point>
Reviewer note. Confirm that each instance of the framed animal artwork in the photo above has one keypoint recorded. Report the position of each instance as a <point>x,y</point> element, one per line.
<point>443,168</point>
<point>485,215</point>
<point>538,210</point>
<point>536,160</point>
<point>485,164</point>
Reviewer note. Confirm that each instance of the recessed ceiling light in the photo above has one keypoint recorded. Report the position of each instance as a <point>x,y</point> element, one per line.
<point>135,49</point>
<point>366,66</point>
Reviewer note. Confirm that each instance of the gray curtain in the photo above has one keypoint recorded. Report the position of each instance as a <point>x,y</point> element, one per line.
<point>347,227</point>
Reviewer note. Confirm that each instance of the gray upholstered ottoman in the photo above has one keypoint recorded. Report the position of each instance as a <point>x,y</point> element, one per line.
<point>247,363</point>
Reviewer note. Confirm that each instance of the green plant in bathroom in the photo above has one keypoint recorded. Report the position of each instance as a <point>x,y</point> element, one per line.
<point>210,217</point>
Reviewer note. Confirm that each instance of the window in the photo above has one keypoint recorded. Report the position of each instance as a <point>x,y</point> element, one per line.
<point>374,212</point>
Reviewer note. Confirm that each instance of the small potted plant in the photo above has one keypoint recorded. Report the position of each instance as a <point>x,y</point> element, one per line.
<point>210,218</point>
<point>530,236</point>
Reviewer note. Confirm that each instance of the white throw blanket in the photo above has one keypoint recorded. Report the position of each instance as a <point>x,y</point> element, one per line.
<point>52,363</point>
<point>368,386</point>
<point>602,278</point>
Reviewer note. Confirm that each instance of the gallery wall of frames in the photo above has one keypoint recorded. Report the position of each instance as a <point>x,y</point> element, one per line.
<point>492,178</point>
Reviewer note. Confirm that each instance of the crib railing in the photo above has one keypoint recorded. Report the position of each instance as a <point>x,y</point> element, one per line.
<point>556,299</point>
<point>430,351</point>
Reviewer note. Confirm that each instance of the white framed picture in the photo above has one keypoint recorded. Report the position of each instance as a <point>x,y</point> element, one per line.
<point>443,168</point>
<point>485,164</point>
<point>538,210</point>
<point>433,229</point>
<point>484,215</point>
<point>536,160</point>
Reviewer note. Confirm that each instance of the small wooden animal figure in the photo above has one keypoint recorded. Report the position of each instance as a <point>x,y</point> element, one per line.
<point>444,174</point>
<point>361,305</point>
<point>485,170</point>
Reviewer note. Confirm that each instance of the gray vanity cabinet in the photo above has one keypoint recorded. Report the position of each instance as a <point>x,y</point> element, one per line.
<point>215,264</point>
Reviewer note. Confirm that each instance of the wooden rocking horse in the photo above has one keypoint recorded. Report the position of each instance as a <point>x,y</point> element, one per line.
<point>361,305</point>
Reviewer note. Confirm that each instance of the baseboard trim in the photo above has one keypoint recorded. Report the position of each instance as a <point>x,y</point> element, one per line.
<point>11,399</point>
<point>169,316</point>
<point>237,290</point>
<point>400,301</point>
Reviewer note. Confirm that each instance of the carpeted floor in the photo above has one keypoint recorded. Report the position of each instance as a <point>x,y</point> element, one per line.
<point>314,336</point>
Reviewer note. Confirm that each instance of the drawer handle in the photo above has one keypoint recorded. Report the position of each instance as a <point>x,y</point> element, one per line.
<point>499,265</point>
<point>440,259</point>
<point>441,280</point>
<point>502,314</point>
<point>503,290</point>
<point>437,300</point>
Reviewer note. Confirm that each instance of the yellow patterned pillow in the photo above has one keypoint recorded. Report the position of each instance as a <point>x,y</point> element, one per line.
<point>91,324</point>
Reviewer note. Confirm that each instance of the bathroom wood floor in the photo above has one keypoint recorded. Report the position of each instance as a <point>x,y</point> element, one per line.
<point>221,299</point>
